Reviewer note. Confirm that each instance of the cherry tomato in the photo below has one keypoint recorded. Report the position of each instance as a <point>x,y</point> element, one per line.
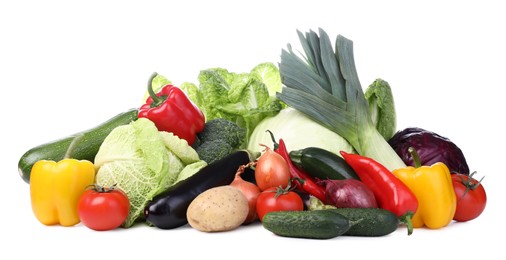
<point>271,170</point>
<point>278,199</point>
<point>471,197</point>
<point>103,208</point>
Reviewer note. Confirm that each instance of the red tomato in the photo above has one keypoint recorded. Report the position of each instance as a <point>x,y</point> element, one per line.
<point>278,199</point>
<point>471,197</point>
<point>271,170</point>
<point>103,208</point>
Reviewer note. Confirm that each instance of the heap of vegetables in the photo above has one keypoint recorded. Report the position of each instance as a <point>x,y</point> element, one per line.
<point>303,150</point>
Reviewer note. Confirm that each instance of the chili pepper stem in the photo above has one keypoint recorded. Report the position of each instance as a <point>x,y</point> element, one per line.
<point>72,146</point>
<point>406,219</point>
<point>274,143</point>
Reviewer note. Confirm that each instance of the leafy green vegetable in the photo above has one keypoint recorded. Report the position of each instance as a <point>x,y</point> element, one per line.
<point>268,73</point>
<point>179,147</point>
<point>298,131</point>
<point>141,161</point>
<point>382,108</point>
<point>324,85</point>
<point>243,98</point>
<point>190,169</point>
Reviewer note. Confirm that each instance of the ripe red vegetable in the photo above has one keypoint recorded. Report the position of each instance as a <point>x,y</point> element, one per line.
<point>348,193</point>
<point>471,197</point>
<point>278,199</point>
<point>173,111</point>
<point>102,208</point>
<point>390,192</point>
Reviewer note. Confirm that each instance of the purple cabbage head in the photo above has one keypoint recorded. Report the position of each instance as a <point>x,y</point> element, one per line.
<point>431,148</point>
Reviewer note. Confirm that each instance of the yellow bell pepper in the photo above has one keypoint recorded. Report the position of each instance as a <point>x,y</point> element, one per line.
<point>55,189</point>
<point>433,187</point>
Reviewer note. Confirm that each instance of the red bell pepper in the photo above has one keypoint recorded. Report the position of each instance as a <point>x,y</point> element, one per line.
<point>390,192</point>
<point>303,181</point>
<point>172,111</point>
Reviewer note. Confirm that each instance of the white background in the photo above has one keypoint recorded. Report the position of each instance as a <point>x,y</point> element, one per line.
<point>68,66</point>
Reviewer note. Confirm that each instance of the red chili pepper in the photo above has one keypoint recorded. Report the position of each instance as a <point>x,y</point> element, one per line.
<point>390,192</point>
<point>303,181</point>
<point>171,110</point>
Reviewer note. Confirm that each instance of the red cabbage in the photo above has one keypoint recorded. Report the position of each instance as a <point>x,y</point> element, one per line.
<point>431,148</point>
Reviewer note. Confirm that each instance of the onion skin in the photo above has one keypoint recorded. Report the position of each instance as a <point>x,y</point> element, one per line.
<point>349,193</point>
<point>271,170</point>
<point>250,191</point>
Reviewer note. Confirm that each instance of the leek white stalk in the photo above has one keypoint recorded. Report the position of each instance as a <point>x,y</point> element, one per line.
<point>324,85</point>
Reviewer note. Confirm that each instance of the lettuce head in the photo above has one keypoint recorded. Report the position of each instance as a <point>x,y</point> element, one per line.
<point>243,98</point>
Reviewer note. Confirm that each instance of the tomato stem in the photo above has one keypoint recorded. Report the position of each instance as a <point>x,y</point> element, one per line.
<point>469,183</point>
<point>101,189</point>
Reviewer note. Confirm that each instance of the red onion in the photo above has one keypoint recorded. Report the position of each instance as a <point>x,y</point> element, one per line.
<point>348,193</point>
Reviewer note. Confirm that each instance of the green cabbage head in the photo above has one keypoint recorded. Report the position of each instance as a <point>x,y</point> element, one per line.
<point>298,131</point>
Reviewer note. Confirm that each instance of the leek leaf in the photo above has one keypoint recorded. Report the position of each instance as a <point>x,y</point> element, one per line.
<point>324,85</point>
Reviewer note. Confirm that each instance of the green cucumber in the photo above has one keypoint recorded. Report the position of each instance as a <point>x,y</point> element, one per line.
<point>85,149</point>
<point>370,222</point>
<point>322,164</point>
<point>316,224</point>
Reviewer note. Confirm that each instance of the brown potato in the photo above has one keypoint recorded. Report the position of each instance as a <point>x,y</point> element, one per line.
<point>218,209</point>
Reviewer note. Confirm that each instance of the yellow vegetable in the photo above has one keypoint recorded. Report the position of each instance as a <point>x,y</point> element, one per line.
<point>55,189</point>
<point>433,187</point>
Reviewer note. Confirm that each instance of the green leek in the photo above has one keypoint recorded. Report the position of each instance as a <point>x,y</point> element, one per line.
<point>324,85</point>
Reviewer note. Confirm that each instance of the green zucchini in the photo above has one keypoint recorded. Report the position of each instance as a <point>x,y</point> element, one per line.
<point>316,224</point>
<point>85,149</point>
<point>322,164</point>
<point>370,222</point>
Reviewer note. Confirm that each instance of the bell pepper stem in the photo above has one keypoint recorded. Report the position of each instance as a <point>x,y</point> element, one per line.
<point>416,158</point>
<point>156,99</point>
<point>73,145</point>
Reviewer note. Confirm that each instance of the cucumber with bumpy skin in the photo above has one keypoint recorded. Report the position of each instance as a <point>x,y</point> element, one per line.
<point>85,149</point>
<point>317,224</point>
<point>369,222</point>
